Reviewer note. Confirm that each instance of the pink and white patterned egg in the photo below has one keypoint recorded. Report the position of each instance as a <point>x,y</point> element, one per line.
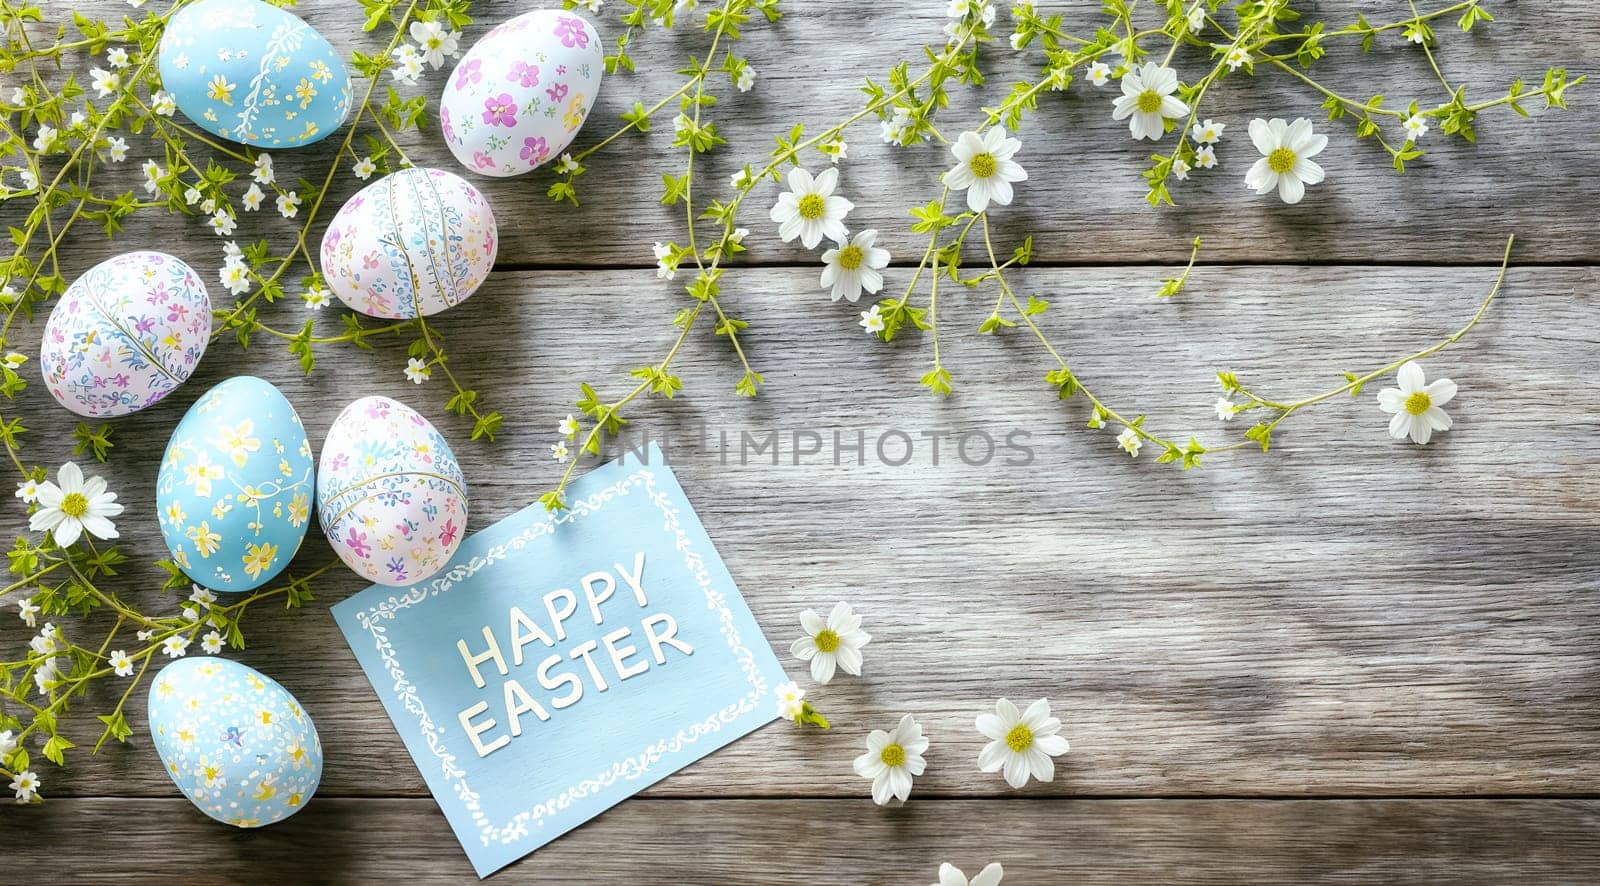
<point>521,93</point>
<point>390,494</point>
<point>125,334</point>
<point>410,245</point>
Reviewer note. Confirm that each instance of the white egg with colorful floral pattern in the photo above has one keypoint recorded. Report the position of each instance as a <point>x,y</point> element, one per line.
<point>125,334</point>
<point>236,743</point>
<point>520,94</point>
<point>410,245</point>
<point>236,486</point>
<point>390,494</point>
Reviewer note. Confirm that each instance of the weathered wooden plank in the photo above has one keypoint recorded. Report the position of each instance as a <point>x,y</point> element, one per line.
<point>1346,615</point>
<point>794,841</point>
<point>1084,199</point>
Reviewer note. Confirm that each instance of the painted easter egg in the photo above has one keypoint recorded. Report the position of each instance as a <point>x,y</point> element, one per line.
<point>236,486</point>
<point>237,744</point>
<point>410,245</point>
<point>520,94</point>
<point>253,73</point>
<point>125,334</point>
<point>390,493</point>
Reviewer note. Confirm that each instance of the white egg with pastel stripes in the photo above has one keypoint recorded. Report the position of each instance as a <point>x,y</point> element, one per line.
<point>234,741</point>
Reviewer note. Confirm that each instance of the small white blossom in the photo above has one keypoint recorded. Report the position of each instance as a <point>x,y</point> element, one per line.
<point>45,139</point>
<point>164,104</point>
<point>192,195</point>
<point>872,320</point>
<point>103,81</point>
<point>1415,404</point>
<point>738,235</point>
<point>1416,127</point>
<point>264,173</point>
<point>746,78</point>
<point>28,490</point>
<point>566,165</point>
<point>739,179</point>
<point>409,69</point>
<point>190,613</point>
<point>1237,57</point>
<point>892,760</point>
<point>8,742</point>
<point>1099,73</point>
<point>289,204</point>
<point>175,646</point>
<point>253,197</point>
<point>1206,157</point>
<point>1130,442</point>
<point>211,643</point>
<point>316,298</point>
<point>231,249</point>
<point>560,452</point>
<point>117,57</point>
<point>1196,19</point>
<point>25,785</point>
<point>791,700</point>
<point>208,205</point>
<point>434,42</point>
<point>364,168</point>
<point>568,427</point>
<point>28,611</point>
<point>223,223</point>
<point>121,664</point>
<point>1226,409</point>
<point>235,276</point>
<point>837,150</point>
<point>1097,419</point>
<point>666,262</point>
<point>1180,169</point>
<point>201,597</point>
<point>117,147</point>
<point>1207,132</point>
<point>417,371</point>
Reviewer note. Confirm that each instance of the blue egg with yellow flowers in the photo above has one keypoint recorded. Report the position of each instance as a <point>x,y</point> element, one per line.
<point>254,74</point>
<point>236,486</point>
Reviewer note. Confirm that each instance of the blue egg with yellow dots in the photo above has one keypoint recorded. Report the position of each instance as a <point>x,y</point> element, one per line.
<point>254,74</point>
<point>236,486</point>
<point>236,743</point>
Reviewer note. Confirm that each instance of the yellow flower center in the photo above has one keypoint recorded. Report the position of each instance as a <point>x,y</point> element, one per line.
<point>1281,160</point>
<point>1020,738</point>
<point>812,206</point>
<point>1418,403</point>
<point>982,165</point>
<point>893,755</point>
<point>75,505</point>
<point>827,641</point>
<point>1149,101</point>
<point>850,257</point>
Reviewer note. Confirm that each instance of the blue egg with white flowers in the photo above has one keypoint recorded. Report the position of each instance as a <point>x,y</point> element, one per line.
<point>236,486</point>
<point>234,741</point>
<point>254,74</point>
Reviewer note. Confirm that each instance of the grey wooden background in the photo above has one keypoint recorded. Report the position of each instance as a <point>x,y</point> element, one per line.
<point>1349,660</point>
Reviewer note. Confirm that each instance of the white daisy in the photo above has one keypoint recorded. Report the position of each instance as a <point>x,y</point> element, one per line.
<point>1147,100</point>
<point>1415,404</point>
<point>950,875</point>
<point>417,371</point>
<point>984,168</point>
<point>121,664</point>
<point>1021,743</point>
<point>1130,442</point>
<point>1207,132</point>
<point>872,319</point>
<point>1286,152</point>
<point>835,642</point>
<point>810,210</point>
<point>892,760</point>
<point>78,504</point>
<point>853,267</point>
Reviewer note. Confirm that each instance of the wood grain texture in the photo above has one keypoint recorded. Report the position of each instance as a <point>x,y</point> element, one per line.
<point>1344,615</point>
<point>1084,198</point>
<point>851,841</point>
<point>1291,667</point>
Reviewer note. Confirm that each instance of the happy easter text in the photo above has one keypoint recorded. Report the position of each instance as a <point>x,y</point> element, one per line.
<point>559,675</point>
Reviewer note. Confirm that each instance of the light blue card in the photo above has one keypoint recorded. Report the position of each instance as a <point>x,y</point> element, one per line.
<point>560,664</point>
